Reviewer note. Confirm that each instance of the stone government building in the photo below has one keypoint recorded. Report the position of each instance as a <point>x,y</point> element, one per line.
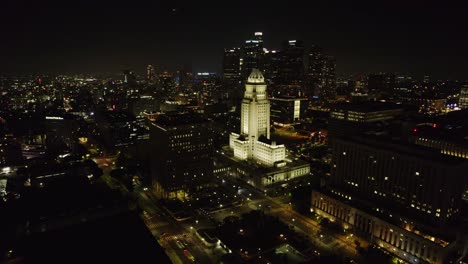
<point>251,154</point>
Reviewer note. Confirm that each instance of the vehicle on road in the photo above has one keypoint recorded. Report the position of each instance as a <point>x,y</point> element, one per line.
<point>184,242</point>
<point>189,255</point>
<point>180,244</point>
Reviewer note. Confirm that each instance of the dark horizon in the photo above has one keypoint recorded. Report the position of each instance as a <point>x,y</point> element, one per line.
<point>108,37</point>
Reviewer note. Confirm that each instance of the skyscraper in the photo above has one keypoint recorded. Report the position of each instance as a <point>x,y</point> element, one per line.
<point>329,79</point>
<point>314,70</point>
<point>253,54</point>
<point>321,78</point>
<point>254,138</point>
<point>272,64</point>
<point>232,67</point>
<point>129,77</point>
<point>292,63</point>
<point>263,161</point>
<point>150,74</point>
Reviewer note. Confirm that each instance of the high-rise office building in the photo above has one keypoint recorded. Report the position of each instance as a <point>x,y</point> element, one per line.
<point>183,157</point>
<point>321,79</point>
<point>287,110</point>
<point>403,197</point>
<point>463,99</point>
<point>354,118</point>
<point>139,105</point>
<point>328,86</point>
<point>253,142</point>
<point>232,73</point>
<point>253,55</point>
<point>129,77</point>
<point>208,85</point>
<point>231,66</point>
<point>381,85</point>
<point>263,161</point>
<point>272,64</point>
<point>419,181</point>
<point>150,73</point>
<point>315,70</point>
<point>292,63</point>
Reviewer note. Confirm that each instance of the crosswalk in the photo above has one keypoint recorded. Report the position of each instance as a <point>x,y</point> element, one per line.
<point>154,225</point>
<point>182,236</point>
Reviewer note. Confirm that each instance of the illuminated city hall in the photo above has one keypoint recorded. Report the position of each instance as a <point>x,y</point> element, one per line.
<point>266,162</point>
<point>254,139</point>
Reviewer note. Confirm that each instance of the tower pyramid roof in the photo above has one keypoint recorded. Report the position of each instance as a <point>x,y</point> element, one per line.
<point>256,77</point>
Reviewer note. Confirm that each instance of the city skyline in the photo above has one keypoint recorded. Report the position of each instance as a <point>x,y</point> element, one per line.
<point>104,37</point>
<point>236,132</point>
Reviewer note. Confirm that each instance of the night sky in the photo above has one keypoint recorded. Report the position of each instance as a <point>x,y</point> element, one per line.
<point>416,37</point>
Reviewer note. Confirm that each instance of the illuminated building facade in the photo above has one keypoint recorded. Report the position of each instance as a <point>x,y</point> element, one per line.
<point>287,110</point>
<point>424,183</point>
<point>463,99</point>
<point>408,244</point>
<point>403,197</point>
<point>253,140</point>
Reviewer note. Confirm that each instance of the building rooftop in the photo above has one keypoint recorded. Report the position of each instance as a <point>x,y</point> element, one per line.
<point>103,240</point>
<point>411,150</point>
<point>288,98</point>
<point>256,77</point>
<point>366,106</point>
<point>115,116</point>
<point>179,119</point>
<point>257,168</point>
<point>458,135</point>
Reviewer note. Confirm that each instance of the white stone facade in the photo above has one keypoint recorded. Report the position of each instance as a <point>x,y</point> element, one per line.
<point>255,123</point>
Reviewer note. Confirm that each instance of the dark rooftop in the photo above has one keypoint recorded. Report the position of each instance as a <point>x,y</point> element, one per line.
<point>458,135</point>
<point>179,119</point>
<point>402,147</point>
<point>287,98</point>
<point>367,106</point>
<point>114,116</point>
<point>118,239</point>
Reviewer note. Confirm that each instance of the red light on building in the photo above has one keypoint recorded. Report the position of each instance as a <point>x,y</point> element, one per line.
<point>415,130</point>
<point>39,80</point>
<point>434,125</point>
